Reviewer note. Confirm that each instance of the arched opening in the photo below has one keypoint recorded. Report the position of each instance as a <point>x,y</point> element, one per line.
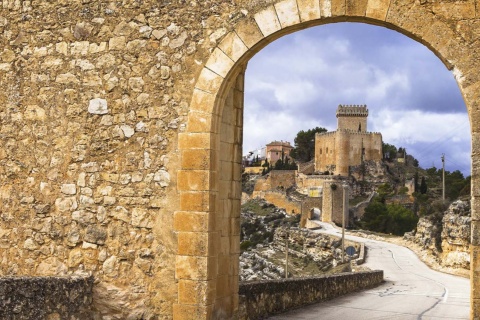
<point>209,181</point>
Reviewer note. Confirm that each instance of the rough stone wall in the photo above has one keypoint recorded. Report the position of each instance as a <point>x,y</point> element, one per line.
<point>110,135</point>
<point>283,179</point>
<point>26,298</point>
<point>280,200</point>
<point>260,299</point>
<point>304,182</point>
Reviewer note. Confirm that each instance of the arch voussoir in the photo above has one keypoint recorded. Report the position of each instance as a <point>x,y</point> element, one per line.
<point>287,13</point>
<point>308,10</point>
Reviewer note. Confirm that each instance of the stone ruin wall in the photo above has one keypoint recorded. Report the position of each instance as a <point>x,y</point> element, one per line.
<point>99,114</point>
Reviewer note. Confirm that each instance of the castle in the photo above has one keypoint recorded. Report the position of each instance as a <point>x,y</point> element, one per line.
<point>349,145</point>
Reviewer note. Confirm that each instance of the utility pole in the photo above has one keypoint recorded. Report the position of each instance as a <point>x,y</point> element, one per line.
<point>443,176</point>
<point>286,256</point>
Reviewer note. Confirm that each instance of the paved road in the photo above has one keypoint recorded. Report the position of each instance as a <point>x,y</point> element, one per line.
<point>411,291</point>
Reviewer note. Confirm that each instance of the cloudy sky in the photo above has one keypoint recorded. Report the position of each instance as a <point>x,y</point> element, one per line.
<point>297,82</point>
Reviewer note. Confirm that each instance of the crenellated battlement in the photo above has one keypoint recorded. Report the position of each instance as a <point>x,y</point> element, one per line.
<point>332,133</point>
<point>352,111</point>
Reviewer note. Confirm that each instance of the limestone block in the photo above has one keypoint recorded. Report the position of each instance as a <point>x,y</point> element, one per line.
<point>145,31</point>
<point>30,244</point>
<point>123,29</point>
<point>267,21</point>
<point>337,7</point>
<point>197,159</point>
<point>141,218</point>
<point>84,64</point>
<point>121,213</point>
<point>97,48</point>
<point>136,46</point>
<point>162,177</point>
<point>194,141</point>
<point>192,311</point>
<point>377,9</point>
<point>98,106</point>
<point>62,48</point>
<point>127,130</point>
<point>475,232</point>
<point>326,8</point>
<point>309,9</point>
<point>83,216</point>
<point>196,292</point>
<point>51,266</point>
<point>195,243</point>
<point>7,55</point>
<point>233,46</point>
<point>117,43</point>
<point>34,112</point>
<point>69,189</point>
<point>356,7</point>
<point>195,268</point>
<point>178,41</point>
<point>95,234</point>
<point>248,31</point>
<point>67,78</point>
<point>193,180</point>
<point>219,63</point>
<point>79,48</point>
<point>159,33</point>
<point>199,122</point>
<point>66,204</point>
<point>136,84</point>
<point>5,67</point>
<point>287,12</point>
<point>109,266</point>
<point>209,81</point>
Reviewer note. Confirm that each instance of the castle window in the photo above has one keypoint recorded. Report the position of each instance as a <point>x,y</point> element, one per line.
<point>320,151</point>
<point>326,151</point>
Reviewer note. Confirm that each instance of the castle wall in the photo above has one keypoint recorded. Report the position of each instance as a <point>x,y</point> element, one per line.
<point>353,123</point>
<point>282,178</point>
<point>345,150</point>
<point>325,154</point>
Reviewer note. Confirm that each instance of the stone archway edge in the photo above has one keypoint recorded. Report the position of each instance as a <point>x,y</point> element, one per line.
<point>196,264</point>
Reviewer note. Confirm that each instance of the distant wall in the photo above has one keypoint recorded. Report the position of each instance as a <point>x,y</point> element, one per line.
<point>46,298</point>
<point>260,299</point>
<point>282,178</point>
<point>280,200</point>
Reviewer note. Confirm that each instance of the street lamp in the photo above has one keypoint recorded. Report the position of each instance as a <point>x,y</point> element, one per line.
<point>345,210</point>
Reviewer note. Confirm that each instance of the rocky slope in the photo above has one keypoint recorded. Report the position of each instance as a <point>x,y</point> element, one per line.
<point>446,237</point>
<point>265,229</point>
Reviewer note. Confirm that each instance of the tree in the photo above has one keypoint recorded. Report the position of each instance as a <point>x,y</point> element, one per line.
<point>389,151</point>
<point>305,144</point>
<point>423,186</point>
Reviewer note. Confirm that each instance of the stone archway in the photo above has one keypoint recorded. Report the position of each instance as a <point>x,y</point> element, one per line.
<point>209,183</point>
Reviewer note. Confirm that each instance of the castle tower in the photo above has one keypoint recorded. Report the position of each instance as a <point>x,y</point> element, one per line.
<point>352,117</point>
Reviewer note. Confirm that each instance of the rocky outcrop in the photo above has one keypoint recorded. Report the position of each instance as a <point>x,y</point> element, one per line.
<point>446,237</point>
<point>456,235</point>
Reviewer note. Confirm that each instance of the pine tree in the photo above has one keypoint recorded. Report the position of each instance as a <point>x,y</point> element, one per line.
<point>423,186</point>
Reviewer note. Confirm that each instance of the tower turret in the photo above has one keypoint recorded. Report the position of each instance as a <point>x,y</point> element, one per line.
<point>352,117</point>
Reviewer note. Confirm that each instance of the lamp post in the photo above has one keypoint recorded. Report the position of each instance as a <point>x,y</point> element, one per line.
<point>345,210</point>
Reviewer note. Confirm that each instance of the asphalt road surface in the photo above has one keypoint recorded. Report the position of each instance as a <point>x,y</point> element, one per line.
<point>411,290</point>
